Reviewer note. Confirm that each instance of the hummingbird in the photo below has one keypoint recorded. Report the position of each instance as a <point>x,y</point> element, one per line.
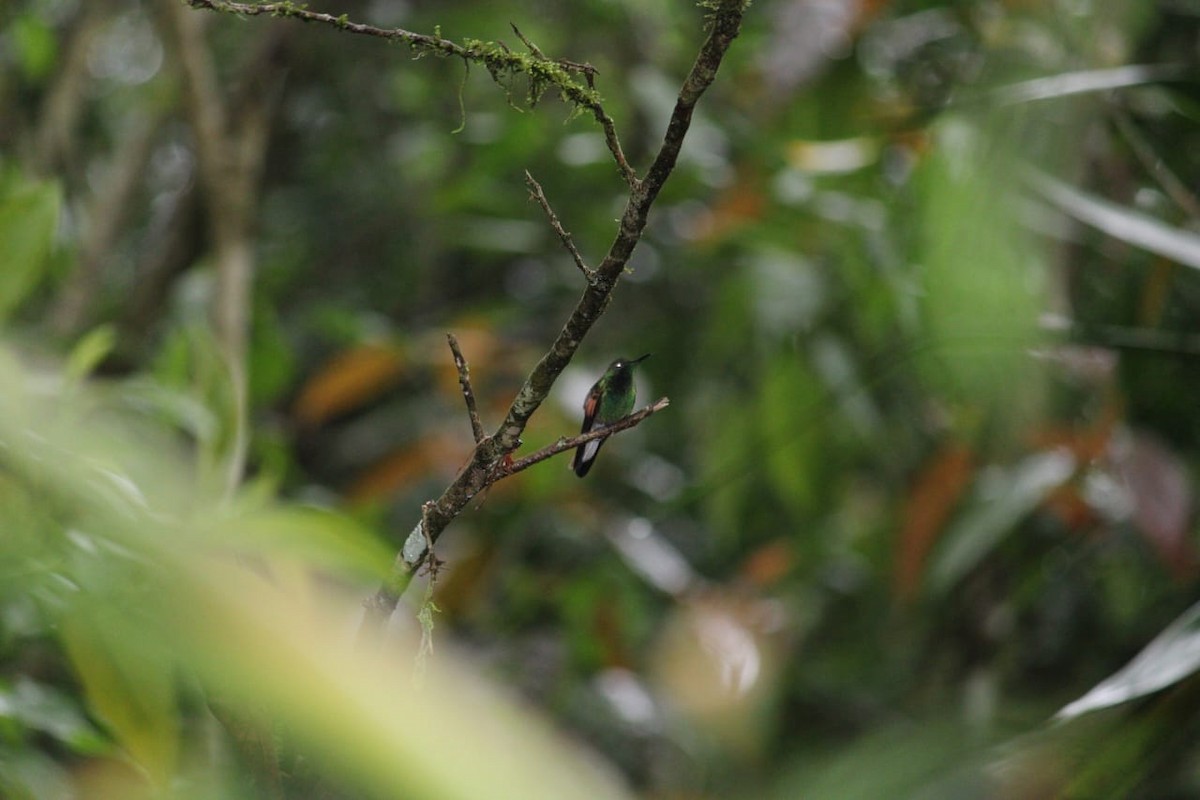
<point>611,399</point>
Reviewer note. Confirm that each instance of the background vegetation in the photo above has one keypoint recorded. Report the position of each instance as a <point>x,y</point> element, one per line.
<point>922,292</point>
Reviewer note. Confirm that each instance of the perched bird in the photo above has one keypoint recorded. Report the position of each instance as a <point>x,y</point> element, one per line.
<point>611,399</point>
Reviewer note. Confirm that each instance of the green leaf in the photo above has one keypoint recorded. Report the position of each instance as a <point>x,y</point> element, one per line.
<point>792,432</point>
<point>89,351</point>
<point>28,219</point>
<point>35,46</point>
<point>311,535</point>
<point>43,708</point>
<point>980,279</point>
<point>937,759</point>
<point>133,694</point>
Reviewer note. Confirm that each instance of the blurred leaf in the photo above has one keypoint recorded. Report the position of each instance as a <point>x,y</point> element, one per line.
<point>28,219</point>
<point>739,205</point>
<point>769,564</point>
<point>1132,227</point>
<point>936,492</point>
<point>1158,481</point>
<point>1002,498</point>
<point>133,694</point>
<point>35,45</point>
<point>981,278</point>
<point>159,601</point>
<point>272,361</point>
<point>932,761</point>
<point>1172,656</point>
<point>42,708</point>
<point>28,774</point>
<point>409,464</point>
<point>1066,84</point>
<point>718,666</point>
<point>348,381</point>
<point>89,351</point>
<point>332,541</point>
<point>843,155</point>
<point>791,430</point>
<point>194,364</point>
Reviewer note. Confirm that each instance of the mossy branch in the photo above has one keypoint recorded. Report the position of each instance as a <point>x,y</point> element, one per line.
<point>572,80</point>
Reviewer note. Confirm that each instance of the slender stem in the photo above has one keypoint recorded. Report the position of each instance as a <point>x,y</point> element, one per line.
<point>464,380</point>
<point>535,192</point>
<point>1175,188</point>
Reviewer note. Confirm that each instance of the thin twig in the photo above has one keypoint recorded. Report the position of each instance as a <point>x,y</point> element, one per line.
<point>533,48</point>
<point>565,444</point>
<point>535,192</point>
<point>1175,188</point>
<point>464,380</point>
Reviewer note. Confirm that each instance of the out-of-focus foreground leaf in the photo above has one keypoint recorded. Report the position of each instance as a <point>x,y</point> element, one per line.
<point>28,217</point>
<point>1172,656</point>
<point>151,593</point>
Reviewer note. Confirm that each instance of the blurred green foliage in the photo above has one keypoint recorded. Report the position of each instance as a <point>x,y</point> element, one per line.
<point>926,477</point>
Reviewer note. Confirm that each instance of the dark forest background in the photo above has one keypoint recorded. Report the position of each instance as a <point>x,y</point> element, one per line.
<point>922,292</point>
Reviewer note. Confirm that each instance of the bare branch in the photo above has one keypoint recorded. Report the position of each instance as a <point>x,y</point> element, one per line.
<point>464,380</point>
<point>565,444</point>
<point>535,192</point>
<point>1175,188</point>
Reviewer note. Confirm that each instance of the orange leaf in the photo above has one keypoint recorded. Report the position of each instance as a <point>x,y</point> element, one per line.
<point>742,203</point>
<point>769,563</point>
<point>405,466</point>
<point>933,497</point>
<point>349,380</point>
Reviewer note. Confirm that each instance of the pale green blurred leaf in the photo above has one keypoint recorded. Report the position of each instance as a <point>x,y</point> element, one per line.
<point>153,603</point>
<point>932,761</point>
<point>89,351</point>
<point>791,424</point>
<point>133,694</point>
<point>27,774</point>
<point>981,279</point>
<point>28,219</point>
<point>35,45</point>
<point>313,536</point>
<point>45,709</point>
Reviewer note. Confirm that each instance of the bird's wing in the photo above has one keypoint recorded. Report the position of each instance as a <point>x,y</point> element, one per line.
<point>590,405</point>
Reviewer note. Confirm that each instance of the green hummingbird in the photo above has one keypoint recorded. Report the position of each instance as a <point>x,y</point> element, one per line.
<point>611,399</point>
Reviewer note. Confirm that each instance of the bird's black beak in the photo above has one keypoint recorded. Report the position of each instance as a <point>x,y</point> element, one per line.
<point>640,359</point>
